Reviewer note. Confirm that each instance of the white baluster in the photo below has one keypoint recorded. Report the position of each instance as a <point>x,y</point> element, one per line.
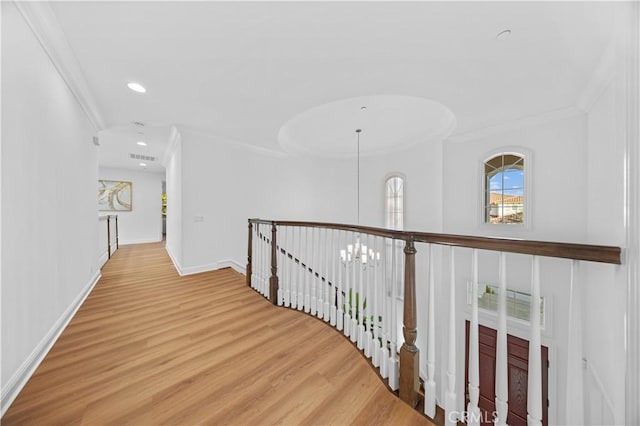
<point>261,268</point>
<point>384,349</point>
<point>502,384</point>
<point>334,279</point>
<point>263,254</point>
<point>347,289</point>
<point>575,406</point>
<point>260,247</point>
<point>258,253</point>
<point>359,298</point>
<point>430,385</point>
<point>354,289</point>
<point>450,397</point>
<point>301,274</point>
<point>308,276</point>
<point>473,411</point>
<point>324,303</point>
<point>318,278</point>
<point>393,359</point>
<point>289,266</point>
<point>340,285</point>
<point>366,303</point>
<point>254,255</point>
<point>313,263</point>
<point>375,343</point>
<point>534,390</point>
<point>281,266</point>
<point>260,260</point>
<point>328,249</point>
<point>267,262</point>
<point>322,272</point>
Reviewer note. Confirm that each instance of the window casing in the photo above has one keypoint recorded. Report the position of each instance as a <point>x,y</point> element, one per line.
<point>394,199</point>
<point>394,202</point>
<point>504,189</point>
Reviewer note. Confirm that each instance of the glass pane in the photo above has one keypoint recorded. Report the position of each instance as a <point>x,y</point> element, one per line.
<point>394,211</point>
<point>504,189</point>
<point>513,178</point>
<point>495,182</point>
<point>518,303</point>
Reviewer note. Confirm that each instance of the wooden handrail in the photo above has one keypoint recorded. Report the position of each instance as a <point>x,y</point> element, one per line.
<point>408,380</point>
<point>588,252</point>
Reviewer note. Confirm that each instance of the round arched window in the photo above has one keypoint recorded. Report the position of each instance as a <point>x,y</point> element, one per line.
<point>504,189</point>
<point>394,202</point>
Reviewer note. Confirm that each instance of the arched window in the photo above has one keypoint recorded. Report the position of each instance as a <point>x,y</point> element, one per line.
<point>504,197</point>
<point>394,202</point>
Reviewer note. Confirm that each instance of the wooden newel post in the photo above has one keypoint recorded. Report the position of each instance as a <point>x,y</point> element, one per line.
<point>273,281</point>
<point>409,353</point>
<point>249,253</point>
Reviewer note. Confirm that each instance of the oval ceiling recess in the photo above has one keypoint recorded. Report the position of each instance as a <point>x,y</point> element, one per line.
<point>389,123</point>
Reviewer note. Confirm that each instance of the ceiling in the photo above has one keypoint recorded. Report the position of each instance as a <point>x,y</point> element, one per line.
<point>239,71</point>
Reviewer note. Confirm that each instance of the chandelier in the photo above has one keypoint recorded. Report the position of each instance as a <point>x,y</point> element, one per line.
<point>358,253</point>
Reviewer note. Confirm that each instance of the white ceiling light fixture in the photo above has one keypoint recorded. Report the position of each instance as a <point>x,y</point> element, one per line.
<point>136,87</point>
<point>358,253</point>
<point>141,143</point>
<point>143,165</point>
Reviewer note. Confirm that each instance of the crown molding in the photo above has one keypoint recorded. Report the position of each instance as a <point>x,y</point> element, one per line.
<point>510,126</point>
<point>44,24</point>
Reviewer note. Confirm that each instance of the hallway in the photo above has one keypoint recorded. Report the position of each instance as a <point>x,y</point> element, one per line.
<point>150,347</point>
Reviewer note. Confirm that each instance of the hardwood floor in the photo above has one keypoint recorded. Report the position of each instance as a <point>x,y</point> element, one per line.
<point>151,347</point>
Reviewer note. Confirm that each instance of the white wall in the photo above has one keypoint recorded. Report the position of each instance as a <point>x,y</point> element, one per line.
<point>605,286</point>
<point>49,211</point>
<point>557,170</point>
<point>174,202</point>
<point>557,173</point>
<point>224,185</point>
<point>143,224</point>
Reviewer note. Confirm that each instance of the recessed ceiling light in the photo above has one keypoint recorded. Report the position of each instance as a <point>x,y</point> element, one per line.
<point>502,35</point>
<point>141,143</point>
<point>143,165</point>
<point>136,87</point>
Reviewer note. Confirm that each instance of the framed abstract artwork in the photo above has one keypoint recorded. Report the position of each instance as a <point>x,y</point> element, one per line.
<point>114,196</point>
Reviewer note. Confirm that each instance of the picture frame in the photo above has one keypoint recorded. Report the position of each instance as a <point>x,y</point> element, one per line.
<point>114,196</point>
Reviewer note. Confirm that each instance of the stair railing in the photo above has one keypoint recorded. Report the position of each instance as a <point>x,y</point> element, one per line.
<point>361,280</point>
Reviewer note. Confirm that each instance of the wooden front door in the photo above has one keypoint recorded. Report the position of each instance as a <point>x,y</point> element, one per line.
<point>517,361</point>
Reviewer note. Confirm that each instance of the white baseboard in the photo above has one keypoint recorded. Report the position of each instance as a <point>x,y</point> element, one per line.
<point>174,260</point>
<point>232,264</point>
<point>143,241</point>
<point>20,378</point>
<point>190,270</point>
